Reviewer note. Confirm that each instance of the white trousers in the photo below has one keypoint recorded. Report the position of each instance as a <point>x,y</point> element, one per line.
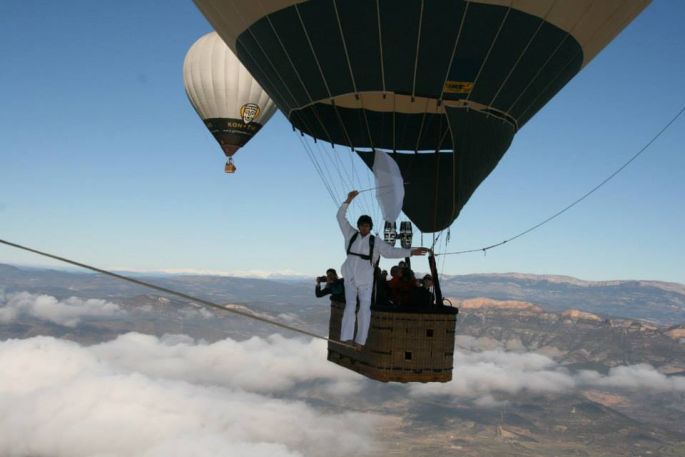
<point>363,317</point>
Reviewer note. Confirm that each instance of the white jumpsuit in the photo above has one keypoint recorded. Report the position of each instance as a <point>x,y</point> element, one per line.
<point>358,275</point>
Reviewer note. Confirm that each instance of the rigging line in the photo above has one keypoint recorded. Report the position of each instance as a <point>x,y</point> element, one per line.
<point>436,239</point>
<point>368,200</point>
<point>314,109</point>
<point>275,87</point>
<point>354,177</point>
<point>436,180</point>
<point>542,67</point>
<point>454,52</point>
<point>492,46</point>
<point>335,107</point>
<point>319,172</point>
<point>347,135</point>
<point>347,54</point>
<point>354,84</point>
<point>587,194</point>
<point>328,157</point>
<point>299,78</point>
<point>325,160</point>
<point>349,182</point>
<point>247,27</point>
<point>356,183</point>
<point>290,112</point>
<point>543,20</point>
<point>418,46</point>
<point>444,258</point>
<point>394,123</point>
<point>171,292</point>
<point>579,52</point>
<point>380,43</point>
<point>311,47</point>
<point>320,158</point>
<point>317,167</point>
<point>325,175</point>
<point>373,149</point>
<point>328,90</point>
<point>423,122</point>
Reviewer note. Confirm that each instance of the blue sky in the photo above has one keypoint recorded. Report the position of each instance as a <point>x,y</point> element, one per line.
<point>102,159</point>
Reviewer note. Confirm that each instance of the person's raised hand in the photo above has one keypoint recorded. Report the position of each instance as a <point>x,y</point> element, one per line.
<point>420,251</point>
<point>351,196</point>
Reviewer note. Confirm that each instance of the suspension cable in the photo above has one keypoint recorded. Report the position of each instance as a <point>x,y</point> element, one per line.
<point>583,197</point>
<point>542,67</point>
<point>317,167</point>
<point>173,292</point>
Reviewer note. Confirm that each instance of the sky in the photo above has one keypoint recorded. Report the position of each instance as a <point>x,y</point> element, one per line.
<point>103,160</point>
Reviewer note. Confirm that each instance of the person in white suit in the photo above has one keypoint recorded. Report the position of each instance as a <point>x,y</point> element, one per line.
<point>358,271</point>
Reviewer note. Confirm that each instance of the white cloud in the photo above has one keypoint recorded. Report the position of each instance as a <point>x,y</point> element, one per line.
<point>61,399</point>
<point>634,377</point>
<point>257,274</point>
<point>68,312</point>
<point>488,375</point>
<point>192,313</point>
<point>258,365</point>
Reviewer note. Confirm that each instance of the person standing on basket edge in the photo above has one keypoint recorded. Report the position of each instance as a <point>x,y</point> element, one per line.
<point>363,251</point>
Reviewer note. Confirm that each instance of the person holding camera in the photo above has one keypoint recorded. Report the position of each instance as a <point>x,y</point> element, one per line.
<point>333,286</point>
<point>363,253</point>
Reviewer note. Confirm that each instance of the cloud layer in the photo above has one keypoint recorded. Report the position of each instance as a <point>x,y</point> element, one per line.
<point>483,375</point>
<point>143,396</point>
<point>69,312</point>
<point>146,396</point>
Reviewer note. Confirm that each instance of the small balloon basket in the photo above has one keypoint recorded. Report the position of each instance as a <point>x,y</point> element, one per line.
<point>407,344</point>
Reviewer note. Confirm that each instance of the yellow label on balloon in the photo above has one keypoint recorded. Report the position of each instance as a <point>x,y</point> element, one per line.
<point>249,112</point>
<point>458,87</point>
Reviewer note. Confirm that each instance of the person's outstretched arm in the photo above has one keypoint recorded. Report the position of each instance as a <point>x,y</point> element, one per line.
<point>391,252</point>
<point>345,227</point>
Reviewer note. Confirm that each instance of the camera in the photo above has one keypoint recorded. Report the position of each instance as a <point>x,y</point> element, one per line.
<point>321,279</point>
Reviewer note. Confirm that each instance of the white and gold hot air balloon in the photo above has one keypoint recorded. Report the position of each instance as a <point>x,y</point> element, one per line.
<point>233,106</point>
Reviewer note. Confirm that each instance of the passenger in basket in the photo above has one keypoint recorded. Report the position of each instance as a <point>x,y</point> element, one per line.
<point>362,255</point>
<point>333,285</point>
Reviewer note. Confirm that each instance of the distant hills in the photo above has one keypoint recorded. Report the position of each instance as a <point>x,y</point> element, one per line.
<point>579,339</point>
<point>660,302</point>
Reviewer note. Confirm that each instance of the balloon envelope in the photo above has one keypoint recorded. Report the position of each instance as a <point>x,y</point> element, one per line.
<point>231,103</point>
<point>449,81</point>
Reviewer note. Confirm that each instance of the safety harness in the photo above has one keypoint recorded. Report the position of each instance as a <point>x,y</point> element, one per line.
<point>368,257</point>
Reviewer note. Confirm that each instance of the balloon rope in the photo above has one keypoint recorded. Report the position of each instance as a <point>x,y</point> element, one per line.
<point>378,187</point>
<point>543,21</point>
<point>367,203</point>
<point>587,194</point>
<point>542,67</point>
<point>487,56</point>
<point>175,293</point>
<point>317,167</point>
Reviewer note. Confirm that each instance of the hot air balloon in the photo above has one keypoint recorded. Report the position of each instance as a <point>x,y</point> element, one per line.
<point>232,105</point>
<point>443,84</point>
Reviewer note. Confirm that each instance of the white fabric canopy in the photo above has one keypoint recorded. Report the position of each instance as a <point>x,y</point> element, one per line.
<point>389,185</point>
<point>218,85</point>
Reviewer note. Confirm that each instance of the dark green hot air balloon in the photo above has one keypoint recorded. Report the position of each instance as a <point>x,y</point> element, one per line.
<point>442,84</point>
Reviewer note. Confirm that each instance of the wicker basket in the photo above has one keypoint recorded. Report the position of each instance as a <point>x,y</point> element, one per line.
<point>404,345</point>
